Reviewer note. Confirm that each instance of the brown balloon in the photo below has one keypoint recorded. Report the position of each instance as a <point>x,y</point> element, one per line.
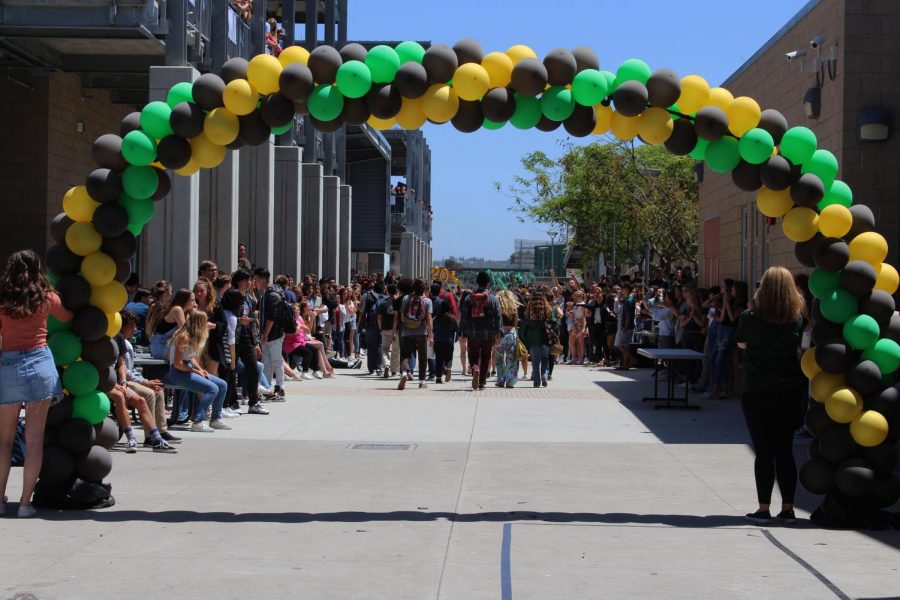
<point>234,68</point>
<point>107,152</point>
<point>324,63</point>
<point>498,104</point>
<point>384,100</point>
<point>296,81</point>
<point>327,126</point>
<point>582,122</point>
<point>711,123</point>
<point>131,122</point>
<point>529,77</point>
<point>440,63</point>
<point>663,88</point>
<point>683,139</point>
<point>561,66</point>
<point>411,80</point>
<point>354,51</point>
<point>547,125</point>
<point>356,111</point>
<point>468,50</point>
<point>585,58</point>
<point>746,176</point>
<point>469,117</point>
<point>630,98</point>
<point>208,90</point>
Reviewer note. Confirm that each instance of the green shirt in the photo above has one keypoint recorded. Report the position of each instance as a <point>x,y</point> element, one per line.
<point>770,361</point>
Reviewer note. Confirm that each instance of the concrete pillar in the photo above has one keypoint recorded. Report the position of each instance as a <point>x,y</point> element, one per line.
<point>346,193</point>
<point>311,237</point>
<point>423,270</point>
<point>331,223</point>
<point>407,264</point>
<point>219,208</point>
<point>288,211</point>
<point>171,239</point>
<point>257,203</point>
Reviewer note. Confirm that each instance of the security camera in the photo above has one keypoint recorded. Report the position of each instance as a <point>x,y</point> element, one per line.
<point>816,42</point>
<point>799,53</point>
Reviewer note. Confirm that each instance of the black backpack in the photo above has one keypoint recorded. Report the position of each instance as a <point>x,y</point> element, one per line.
<point>285,315</point>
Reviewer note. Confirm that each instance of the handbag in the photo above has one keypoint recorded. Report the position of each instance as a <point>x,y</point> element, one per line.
<point>521,350</point>
<point>556,349</point>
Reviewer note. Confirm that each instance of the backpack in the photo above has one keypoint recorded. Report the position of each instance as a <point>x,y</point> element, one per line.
<point>414,313</point>
<point>371,306</point>
<point>479,303</point>
<point>285,315</point>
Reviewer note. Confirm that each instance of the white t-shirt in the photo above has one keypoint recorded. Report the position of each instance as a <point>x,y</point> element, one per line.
<point>666,324</point>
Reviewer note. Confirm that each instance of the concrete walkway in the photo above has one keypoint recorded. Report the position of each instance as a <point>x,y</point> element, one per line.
<point>576,491</point>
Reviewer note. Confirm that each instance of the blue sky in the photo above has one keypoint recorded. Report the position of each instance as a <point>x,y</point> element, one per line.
<point>711,38</point>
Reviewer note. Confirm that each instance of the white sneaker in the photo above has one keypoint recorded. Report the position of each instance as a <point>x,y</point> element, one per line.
<point>26,512</point>
<point>423,385</point>
<point>218,424</point>
<point>256,409</point>
<point>230,414</point>
<point>318,374</point>
<point>202,427</point>
<point>306,376</point>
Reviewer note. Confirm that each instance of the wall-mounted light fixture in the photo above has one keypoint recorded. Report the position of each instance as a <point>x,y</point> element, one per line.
<point>698,172</point>
<point>873,124</point>
<point>79,126</point>
<point>812,102</point>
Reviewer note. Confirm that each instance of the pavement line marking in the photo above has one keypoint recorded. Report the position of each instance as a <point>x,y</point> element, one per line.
<point>505,574</point>
<point>811,569</point>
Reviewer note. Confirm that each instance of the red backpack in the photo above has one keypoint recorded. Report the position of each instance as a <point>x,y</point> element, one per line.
<point>479,302</point>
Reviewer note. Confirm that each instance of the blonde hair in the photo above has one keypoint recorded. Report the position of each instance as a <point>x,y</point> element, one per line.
<point>777,299</point>
<point>194,332</point>
<point>509,304</point>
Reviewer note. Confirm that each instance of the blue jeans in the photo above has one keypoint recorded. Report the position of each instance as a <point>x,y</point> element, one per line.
<point>337,336</point>
<point>212,388</point>
<point>718,367</point>
<point>540,363</point>
<point>159,344</point>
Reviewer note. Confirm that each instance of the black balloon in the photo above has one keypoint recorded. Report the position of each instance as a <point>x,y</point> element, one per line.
<point>586,58</point>
<point>74,291</point>
<point>468,50</point>
<point>95,465</point>
<point>90,324</point>
<point>711,123</point>
<point>107,152</point>
<point>276,110</point>
<point>812,449</point>
<point>863,220</point>
<point>858,277</point>
<point>683,138</point>
<point>296,81</point>
<point>173,151</point>
<point>234,68</point>
<point>561,66</point>
<point>836,445</point>
<point>186,120</point>
<point>864,377</point>
<point>854,478</point>
<point>663,88</point>
<point>831,254</point>
<point>104,185</point>
<point>57,466</point>
<point>62,261</point>
<point>630,98</point>
<point>356,111</point>
<point>468,118</point>
<point>108,380</point>
<point>774,122</point>
<point>237,144</point>
<point>208,90</point>
<point>746,176</point>
<point>324,63</point>
<point>878,304</point>
<point>77,436</point>
<point>123,271</point>
<point>777,173</point>
<point>824,331</point>
<point>327,126</point>
<point>101,353</point>
<point>582,121</point>
<point>835,356</point>
<point>253,130</point>
<point>804,250</point>
<point>529,77</point>
<point>808,190</point>
<point>817,476</point>
<point>59,226</point>
<point>121,247</point>
<point>110,220</point>
<point>384,100</point>
<point>107,433</point>
<point>163,185</point>
<point>354,51</point>
<point>885,490</point>
<point>882,457</point>
<point>411,80</point>
<point>892,331</point>
<point>440,63</point>
<point>498,104</point>
<point>817,420</point>
<point>60,412</point>
<point>131,122</point>
<point>547,125</point>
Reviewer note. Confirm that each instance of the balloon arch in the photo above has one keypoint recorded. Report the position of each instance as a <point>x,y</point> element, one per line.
<point>856,355</point>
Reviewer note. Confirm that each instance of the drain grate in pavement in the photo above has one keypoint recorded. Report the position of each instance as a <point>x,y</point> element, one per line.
<point>376,446</point>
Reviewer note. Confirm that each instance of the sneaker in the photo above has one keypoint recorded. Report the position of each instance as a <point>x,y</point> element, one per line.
<point>318,374</point>
<point>306,376</point>
<point>387,374</point>
<point>132,446</point>
<point>164,448</point>
<point>256,409</point>
<point>231,413</point>
<point>279,391</point>
<point>402,384</point>
<point>377,372</point>
<point>510,384</point>
<point>787,516</point>
<point>499,384</point>
<point>219,424</point>
<point>26,512</point>
<point>357,364</point>
<point>279,397</point>
<point>474,378</point>
<point>423,385</point>
<point>543,383</point>
<point>438,381</point>
<point>447,374</point>
<point>760,517</point>
<point>170,438</point>
<point>202,427</point>
<point>148,442</point>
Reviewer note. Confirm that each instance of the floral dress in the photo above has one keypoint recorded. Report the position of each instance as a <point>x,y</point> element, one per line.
<point>505,355</point>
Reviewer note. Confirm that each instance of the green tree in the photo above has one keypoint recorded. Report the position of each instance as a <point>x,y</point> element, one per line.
<point>643,194</point>
<point>452,264</point>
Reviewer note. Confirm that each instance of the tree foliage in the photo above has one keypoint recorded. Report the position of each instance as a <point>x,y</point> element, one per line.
<point>643,193</point>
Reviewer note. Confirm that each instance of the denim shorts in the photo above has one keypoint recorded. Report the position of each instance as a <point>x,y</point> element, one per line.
<point>28,376</point>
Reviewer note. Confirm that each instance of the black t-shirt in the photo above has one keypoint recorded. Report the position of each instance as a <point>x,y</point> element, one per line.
<point>771,356</point>
<point>270,310</point>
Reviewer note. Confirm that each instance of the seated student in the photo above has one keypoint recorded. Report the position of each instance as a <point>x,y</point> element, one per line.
<point>299,353</point>
<point>139,306</point>
<point>162,322</point>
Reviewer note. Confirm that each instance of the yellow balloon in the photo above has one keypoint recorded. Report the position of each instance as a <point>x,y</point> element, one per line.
<point>888,279</point>
<point>471,81</point>
<point>98,269</point>
<point>624,128</point>
<point>773,203</point>
<point>115,324</point>
<point>240,97</point>
<point>800,224</point>
<point>518,52</point>
<point>381,124</point>
<point>82,239</point>
<point>499,67</point>
<point>604,118</point>
<point>720,97</point>
<point>109,298</point>
<point>655,125</point>
<point>743,115</point>
<point>843,405</point>
<point>808,364</point>
<point>188,169</point>
<point>207,154</point>
<point>412,114</point>
<point>870,247</point>
<point>293,54</point>
<point>694,94</point>
<point>869,429</point>
<point>221,126</point>
<point>440,103</point>
<point>78,205</point>
<point>835,220</point>
<point>822,385</point>
<point>263,72</point>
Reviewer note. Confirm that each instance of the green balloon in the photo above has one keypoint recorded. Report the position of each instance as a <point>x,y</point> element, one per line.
<point>861,331</point>
<point>138,148</point>
<point>798,144</point>
<point>54,324</point>
<point>65,346</point>
<point>611,83</point>
<point>140,182</point>
<point>180,92</point>
<point>93,407</point>
<point>886,354</point>
<point>383,61</point>
<point>723,155</point>
<point>325,103</point>
<point>822,282</point>
<point>135,229</point>
<point>633,69</point>
<point>557,103</point>
<point>410,52</point>
<point>699,151</point>
<point>838,305</point>
<point>756,146</point>
<point>493,125</point>
<point>283,129</point>
<point>824,164</point>
<point>839,193</point>
<point>81,378</point>
<point>527,113</point>
<point>589,87</point>
<point>140,210</point>
<point>155,119</point>
<point>354,80</point>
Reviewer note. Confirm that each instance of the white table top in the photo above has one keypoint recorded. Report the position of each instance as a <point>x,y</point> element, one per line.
<point>670,354</point>
<point>143,360</point>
